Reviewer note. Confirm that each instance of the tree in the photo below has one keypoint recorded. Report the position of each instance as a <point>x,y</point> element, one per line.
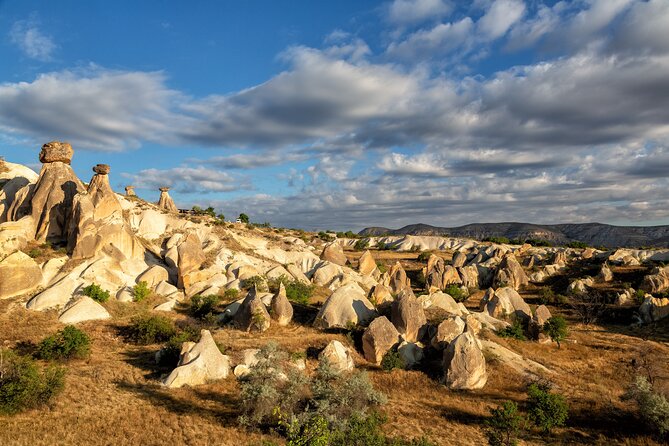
<point>556,329</point>
<point>504,425</point>
<point>546,409</point>
<point>243,218</point>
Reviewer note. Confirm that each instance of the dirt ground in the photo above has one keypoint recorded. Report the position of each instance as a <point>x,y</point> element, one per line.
<point>114,397</point>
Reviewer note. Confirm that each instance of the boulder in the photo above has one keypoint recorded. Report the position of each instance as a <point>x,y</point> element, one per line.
<point>56,152</point>
<point>334,253</point>
<point>366,264</point>
<point>281,309</point>
<point>605,274</point>
<point>653,309</point>
<point>165,202</point>
<point>459,259</point>
<point>81,310</point>
<point>380,294</point>
<point>449,329</point>
<point>379,337</point>
<point>199,363</point>
<point>469,276</point>
<point>507,302</point>
<point>19,274</point>
<point>397,278</point>
<point>252,314</point>
<point>536,325</point>
<point>472,324</point>
<point>441,300</point>
<point>580,285</point>
<point>345,307</point>
<point>510,273</point>
<point>191,258</point>
<point>408,317</point>
<point>411,353</point>
<point>657,281</point>
<point>338,356</point>
<point>327,273</point>
<point>56,295</point>
<point>153,276</point>
<point>464,363</point>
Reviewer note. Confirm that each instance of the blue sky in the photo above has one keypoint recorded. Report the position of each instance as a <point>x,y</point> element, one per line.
<point>348,114</point>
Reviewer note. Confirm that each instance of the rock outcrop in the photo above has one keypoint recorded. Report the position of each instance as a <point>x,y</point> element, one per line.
<point>19,274</point>
<point>252,314</point>
<point>165,202</point>
<point>281,309</point>
<point>653,309</point>
<point>347,306</point>
<point>510,273</point>
<point>657,281</point>
<point>505,302</point>
<point>378,339</point>
<point>408,317</point>
<point>338,356</point>
<point>464,363</point>
<point>449,329</point>
<point>334,253</point>
<point>199,363</point>
<point>367,264</point>
<point>81,310</point>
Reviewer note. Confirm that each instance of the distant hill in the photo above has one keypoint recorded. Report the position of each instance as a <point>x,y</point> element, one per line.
<point>594,234</point>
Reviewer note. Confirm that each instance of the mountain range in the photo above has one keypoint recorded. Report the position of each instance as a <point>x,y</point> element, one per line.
<point>593,234</point>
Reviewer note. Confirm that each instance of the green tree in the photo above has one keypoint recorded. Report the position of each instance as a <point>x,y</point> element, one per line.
<point>545,408</point>
<point>243,218</point>
<point>556,329</point>
<point>504,425</point>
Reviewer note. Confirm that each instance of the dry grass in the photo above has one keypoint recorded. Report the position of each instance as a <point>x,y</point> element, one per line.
<point>115,397</point>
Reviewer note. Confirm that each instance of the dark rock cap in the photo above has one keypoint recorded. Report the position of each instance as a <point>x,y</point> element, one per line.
<point>56,151</point>
<point>101,169</point>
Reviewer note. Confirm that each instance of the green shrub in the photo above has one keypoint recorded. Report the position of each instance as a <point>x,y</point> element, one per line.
<point>546,409</point>
<point>424,256</point>
<point>457,293</point>
<point>513,331</point>
<point>361,244</point>
<point>653,406</point>
<point>33,253</point>
<point>147,329</point>
<point>497,239</point>
<point>296,291</point>
<point>140,291</point>
<point>203,306</point>
<point>70,342</point>
<point>538,242</point>
<point>392,360</point>
<point>244,218</point>
<point>504,425</point>
<point>556,329</point>
<point>169,354</point>
<point>231,294</point>
<point>381,267</point>
<point>255,281</point>
<point>95,292</point>
<point>23,385</point>
<point>640,296</point>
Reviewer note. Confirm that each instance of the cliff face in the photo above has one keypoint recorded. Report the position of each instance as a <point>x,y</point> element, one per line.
<point>595,234</point>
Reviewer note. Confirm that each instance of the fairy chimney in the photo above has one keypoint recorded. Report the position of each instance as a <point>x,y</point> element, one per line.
<point>130,191</point>
<point>165,201</point>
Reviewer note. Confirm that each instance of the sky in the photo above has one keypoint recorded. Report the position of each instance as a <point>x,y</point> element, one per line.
<point>346,114</point>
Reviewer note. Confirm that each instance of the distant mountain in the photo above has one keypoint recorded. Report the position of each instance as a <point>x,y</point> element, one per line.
<point>594,234</point>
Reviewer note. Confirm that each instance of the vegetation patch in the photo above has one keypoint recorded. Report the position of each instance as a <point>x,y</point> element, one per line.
<point>68,343</point>
<point>148,329</point>
<point>140,291</point>
<point>95,292</point>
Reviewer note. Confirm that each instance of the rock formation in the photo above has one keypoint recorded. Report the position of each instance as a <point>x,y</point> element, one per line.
<point>165,201</point>
<point>130,191</point>
<point>345,307</point>
<point>378,338</point>
<point>464,363</point>
<point>408,317</point>
<point>510,273</point>
<point>199,363</point>
<point>19,274</point>
<point>252,314</point>
<point>366,264</point>
<point>449,329</point>
<point>334,253</point>
<point>81,310</point>
<point>338,356</point>
<point>281,309</point>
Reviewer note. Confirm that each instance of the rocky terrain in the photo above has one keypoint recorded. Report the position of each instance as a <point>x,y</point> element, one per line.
<point>447,327</point>
<point>592,234</point>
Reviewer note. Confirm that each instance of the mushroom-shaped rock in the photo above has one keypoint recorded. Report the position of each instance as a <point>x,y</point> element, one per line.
<point>345,307</point>
<point>130,191</point>
<point>449,329</point>
<point>338,356</point>
<point>281,309</point>
<point>464,363</point>
<point>252,314</point>
<point>19,274</point>
<point>366,264</point>
<point>408,317</point>
<point>334,253</point>
<point>510,273</point>
<point>165,201</point>
<point>378,339</point>
<point>83,309</point>
<point>199,363</point>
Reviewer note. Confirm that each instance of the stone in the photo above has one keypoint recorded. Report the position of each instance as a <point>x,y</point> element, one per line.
<point>347,306</point>
<point>653,309</point>
<point>252,314</point>
<point>56,296</point>
<point>191,258</point>
<point>449,329</point>
<point>81,310</point>
<point>165,202</point>
<point>338,356</point>
<point>199,363</point>
<point>408,317</point>
<point>469,275</point>
<point>605,273</point>
<point>411,353</point>
<point>464,364</point>
<point>125,294</point>
<point>367,264</point>
<point>398,279</point>
<point>130,191</point>
<point>281,309</point>
<point>153,276</point>
<point>657,281</point>
<point>379,337</point>
<point>19,274</point>
<point>380,294</point>
<point>56,151</point>
<point>507,302</point>
<point>510,273</point>
<point>102,169</point>
<point>459,259</point>
<point>541,315</point>
<point>334,253</point>
<point>580,285</point>
<point>472,324</point>
<point>441,300</point>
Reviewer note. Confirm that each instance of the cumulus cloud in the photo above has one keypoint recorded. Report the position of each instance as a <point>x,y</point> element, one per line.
<point>407,12</point>
<point>28,37</point>
<point>500,17</point>
<point>188,180</point>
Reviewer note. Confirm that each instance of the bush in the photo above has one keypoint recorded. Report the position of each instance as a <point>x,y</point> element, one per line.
<point>556,329</point>
<point>140,291</point>
<point>22,384</point>
<point>546,409</point>
<point>424,256</point>
<point>504,425</point>
<point>513,331</point>
<point>577,245</point>
<point>381,267</point>
<point>95,292</point>
<point>296,291</point>
<point>361,244</point>
<point>147,329</point>
<point>256,281</point>
<point>169,354</point>
<point>203,306</point>
<point>499,240</point>
<point>392,360</point>
<point>70,342</point>
<point>231,294</point>
<point>244,218</point>
<point>653,406</point>
<point>456,293</point>
<point>538,242</point>
<point>35,252</point>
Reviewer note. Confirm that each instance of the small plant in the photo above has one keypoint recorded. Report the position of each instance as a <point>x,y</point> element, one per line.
<point>546,409</point>
<point>577,245</point>
<point>504,425</point>
<point>392,360</point>
<point>424,256</point>
<point>169,354</point>
<point>140,291</point>
<point>457,293</point>
<point>147,329</point>
<point>95,292</point>
<point>361,244</point>
<point>381,267</point>
<point>23,385</point>
<point>653,406</point>
<point>296,291</point>
<point>497,239</point>
<point>203,306</point>
<point>70,342</point>
<point>255,281</point>
<point>546,295</point>
<point>640,296</point>
<point>556,329</point>
<point>231,294</point>
<point>513,331</point>
<point>34,253</point>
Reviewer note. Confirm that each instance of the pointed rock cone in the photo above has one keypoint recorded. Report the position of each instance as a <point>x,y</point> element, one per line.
<point>130,191</point>
<point>165,201</point>
<point>281,309</point>
<point>252,314</point>
<point>199,363</point>
<point>366,264</point>
<point>49,201</point>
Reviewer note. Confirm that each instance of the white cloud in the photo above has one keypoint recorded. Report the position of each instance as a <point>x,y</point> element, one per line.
<point>438,40</point>
<point>407,12</point>
<point>500,17</point>
<point>187,180</point>
<point>31,40</point>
